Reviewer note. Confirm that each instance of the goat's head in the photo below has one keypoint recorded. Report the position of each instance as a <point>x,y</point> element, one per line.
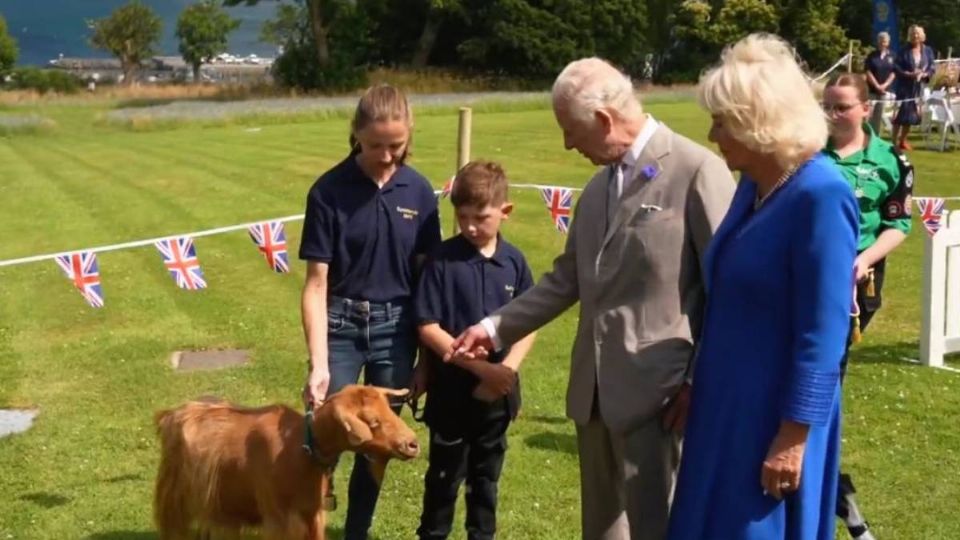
<point>369,425</point>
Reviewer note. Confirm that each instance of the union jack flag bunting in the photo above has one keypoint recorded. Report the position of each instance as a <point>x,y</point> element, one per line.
<point>447,188</point>
<point>559,201</point>
<point>82,269</point>
<point>180,257</point>
<point>931,213</point>
<point>272,242</point>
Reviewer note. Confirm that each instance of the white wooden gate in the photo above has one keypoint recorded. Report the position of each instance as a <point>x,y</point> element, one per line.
<point>940,327</point>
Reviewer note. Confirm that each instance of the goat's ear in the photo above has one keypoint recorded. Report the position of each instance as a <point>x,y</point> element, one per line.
<point>357,430</point>
<point>378,467</point>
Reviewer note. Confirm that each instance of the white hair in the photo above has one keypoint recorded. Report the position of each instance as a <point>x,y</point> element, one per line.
<point>919,30</point>
<point>764,99</point>
<point>590,84</point>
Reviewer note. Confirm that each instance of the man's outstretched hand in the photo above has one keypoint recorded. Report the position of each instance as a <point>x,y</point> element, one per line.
<point>473,344</point>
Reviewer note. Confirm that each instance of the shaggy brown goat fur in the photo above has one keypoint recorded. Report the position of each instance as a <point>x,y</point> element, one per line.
<point>225,468</point>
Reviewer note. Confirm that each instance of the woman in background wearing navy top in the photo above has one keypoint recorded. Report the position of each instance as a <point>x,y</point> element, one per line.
<point>914,67</point>
<point>370,220</point>
<point>880,78</point>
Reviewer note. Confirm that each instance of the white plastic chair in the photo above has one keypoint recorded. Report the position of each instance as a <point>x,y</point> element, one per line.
<point>938,116</point>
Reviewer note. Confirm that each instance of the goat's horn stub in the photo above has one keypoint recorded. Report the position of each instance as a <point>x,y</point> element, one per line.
<point>402,392</point>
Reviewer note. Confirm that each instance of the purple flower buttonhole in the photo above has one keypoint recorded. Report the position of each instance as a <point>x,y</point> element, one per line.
<point>650,172</point>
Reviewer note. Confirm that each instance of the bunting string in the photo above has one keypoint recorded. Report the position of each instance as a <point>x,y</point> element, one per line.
<point>180,255</point>
<point>147,242</point>
<point>833,68</point>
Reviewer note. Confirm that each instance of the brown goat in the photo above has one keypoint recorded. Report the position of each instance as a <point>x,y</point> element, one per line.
<point>225,468</point>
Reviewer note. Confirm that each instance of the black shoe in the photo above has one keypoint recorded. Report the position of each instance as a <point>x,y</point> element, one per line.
<point>861,533</point>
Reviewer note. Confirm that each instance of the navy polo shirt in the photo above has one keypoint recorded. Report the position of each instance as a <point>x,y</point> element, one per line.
<point>370,235</point>
<point>458,288</point>
<point>881,68</point>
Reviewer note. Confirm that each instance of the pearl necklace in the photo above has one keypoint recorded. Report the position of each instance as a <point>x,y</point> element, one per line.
<point>787,174</point>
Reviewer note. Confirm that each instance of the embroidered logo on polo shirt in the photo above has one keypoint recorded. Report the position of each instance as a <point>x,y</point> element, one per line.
<point>868,173</point>
<point>407,213</point>
<point>510,289</point>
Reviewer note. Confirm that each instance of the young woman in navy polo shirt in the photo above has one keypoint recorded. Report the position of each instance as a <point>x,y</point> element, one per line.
<point>370,221</point>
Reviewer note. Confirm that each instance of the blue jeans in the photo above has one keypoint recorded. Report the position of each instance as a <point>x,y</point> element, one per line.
<point>380,340</point>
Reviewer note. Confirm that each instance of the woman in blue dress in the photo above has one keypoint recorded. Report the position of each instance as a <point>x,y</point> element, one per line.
<point>914,67</point>
<point>761,448</point>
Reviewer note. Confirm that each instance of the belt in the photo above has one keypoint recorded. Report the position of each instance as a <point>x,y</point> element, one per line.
<point>366,309</point>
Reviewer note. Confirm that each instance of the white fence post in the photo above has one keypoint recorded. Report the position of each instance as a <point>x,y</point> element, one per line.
<point>940,301</point>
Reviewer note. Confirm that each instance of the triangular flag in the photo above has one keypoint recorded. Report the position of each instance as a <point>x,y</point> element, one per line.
<point>272,242</point>
<point>180,258</point>
<point>82,268</point>
<point>931,213</point>
<point>559,202</point>
<point>447,188</point>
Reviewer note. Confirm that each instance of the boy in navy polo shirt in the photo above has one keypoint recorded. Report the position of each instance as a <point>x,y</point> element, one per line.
<point>470,403</point>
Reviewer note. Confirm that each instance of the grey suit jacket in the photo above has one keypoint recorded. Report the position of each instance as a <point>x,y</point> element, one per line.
<point>639,281</point>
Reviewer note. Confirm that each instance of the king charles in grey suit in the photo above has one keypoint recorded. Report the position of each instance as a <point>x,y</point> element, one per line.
<point>633,260</point>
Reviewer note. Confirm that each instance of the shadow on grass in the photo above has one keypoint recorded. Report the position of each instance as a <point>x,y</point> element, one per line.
<point>45,500</point>
<point>556,442</point>
<point>546,419</point>
<point>336,533</point>
<point>124,535</point>
<point>884,353</point>
<point>124,478</point>
<point>142,103</point>
<point>333,533</point>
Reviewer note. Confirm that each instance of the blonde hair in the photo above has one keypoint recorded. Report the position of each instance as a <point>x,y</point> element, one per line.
<point>381,103</point>
<point>590,84</point>
<point>765,100</point>
<point>919,30</point>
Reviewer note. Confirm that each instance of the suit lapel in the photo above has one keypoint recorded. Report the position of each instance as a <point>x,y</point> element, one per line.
<point>655,150</point>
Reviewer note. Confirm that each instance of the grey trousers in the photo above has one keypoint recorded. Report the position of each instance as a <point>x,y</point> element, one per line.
<point>876,116</point>
<point>626,480</point>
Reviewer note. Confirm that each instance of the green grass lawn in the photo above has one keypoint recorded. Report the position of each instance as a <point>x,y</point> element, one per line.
<point>86,469</point>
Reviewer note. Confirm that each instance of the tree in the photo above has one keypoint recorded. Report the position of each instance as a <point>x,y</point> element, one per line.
<point>520,38</point>
<point>812,27</point>
<point>8,49</point>
<point>437,11</point>
<point>289,27</point>
<point>738,18</point>
<point>203,30</point>
<point>939,19</point>
<point>617,31</point>
<point>660,36</point>
<point>129,33</point>
<point>702,30</point>
<point>322,18</point>
<point>299,65</point>
<point>536,38</point>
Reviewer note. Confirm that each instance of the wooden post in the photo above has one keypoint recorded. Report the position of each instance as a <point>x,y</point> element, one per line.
<point>949,53</point>
<point>850,57</point>
<point>463,147</point>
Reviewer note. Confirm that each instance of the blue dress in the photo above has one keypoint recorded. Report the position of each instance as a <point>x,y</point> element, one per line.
<point>779,292</point>
<point>908,88</point>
